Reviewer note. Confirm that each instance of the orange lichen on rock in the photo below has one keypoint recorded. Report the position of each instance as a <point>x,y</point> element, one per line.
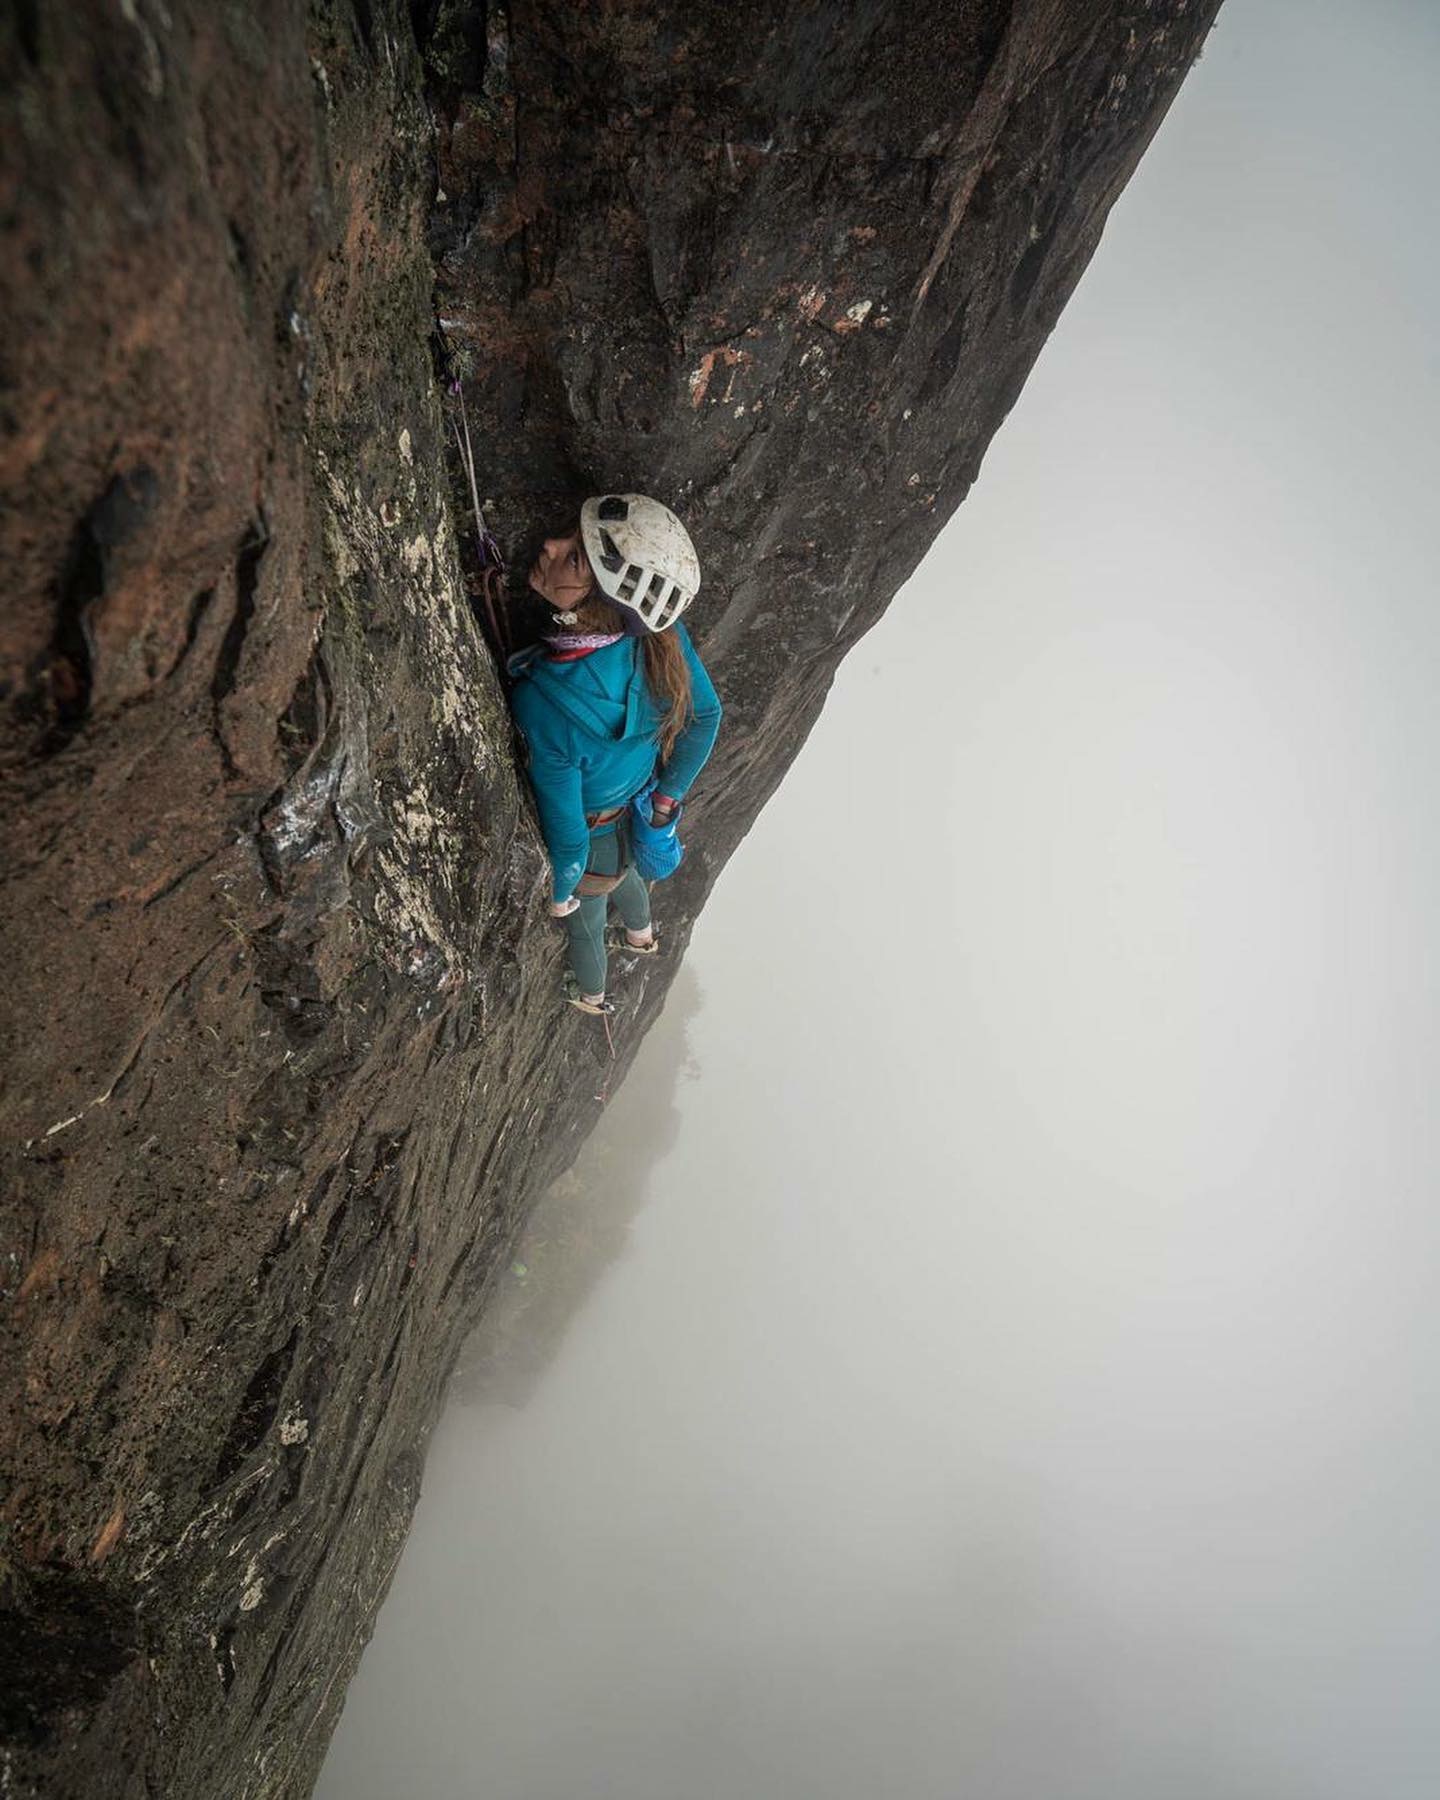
<point>109,1535</point>
<point>705,368</point>
<point>43,1272</point>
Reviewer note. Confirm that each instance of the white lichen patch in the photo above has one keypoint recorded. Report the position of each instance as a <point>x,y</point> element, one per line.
<point>457,707</point>
<point>418,555</point>
<point>427,585</point>
<point>810,303</point>
<point>154,65</point>
<point>414,821</point>
<point>296,818</point>
<point>424,862</point>
<point>294,1429</point>
<point>252,1597</point>
<point>403,908</point>
<point>205,1523</point>
<point>860,311</point>
<point>337,546</point>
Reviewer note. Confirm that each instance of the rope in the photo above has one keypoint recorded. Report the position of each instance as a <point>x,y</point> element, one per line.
<point>491,557</point>
<point>604,1093</point>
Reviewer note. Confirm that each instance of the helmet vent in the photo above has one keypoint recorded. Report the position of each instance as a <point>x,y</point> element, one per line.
<point>641,555</point>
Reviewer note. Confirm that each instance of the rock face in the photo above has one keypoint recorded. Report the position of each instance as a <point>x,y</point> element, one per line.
<point>283,1062</point>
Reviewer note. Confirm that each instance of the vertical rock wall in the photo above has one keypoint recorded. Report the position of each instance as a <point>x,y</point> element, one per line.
<point>282,1060</point>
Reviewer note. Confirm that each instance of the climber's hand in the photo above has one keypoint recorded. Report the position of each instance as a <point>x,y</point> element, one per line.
<point>562,909</point>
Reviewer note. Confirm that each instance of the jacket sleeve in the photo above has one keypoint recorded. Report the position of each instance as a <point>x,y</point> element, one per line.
<point>555,777</point>
<point>697,740</point>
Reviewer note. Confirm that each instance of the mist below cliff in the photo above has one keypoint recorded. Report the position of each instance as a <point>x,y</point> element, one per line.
<point>997,1345</point>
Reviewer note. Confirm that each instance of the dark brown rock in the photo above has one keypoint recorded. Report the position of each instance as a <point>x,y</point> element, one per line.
<point>283,1064</point>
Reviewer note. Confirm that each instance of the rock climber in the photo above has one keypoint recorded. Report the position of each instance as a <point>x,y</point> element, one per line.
<point>618,716</point>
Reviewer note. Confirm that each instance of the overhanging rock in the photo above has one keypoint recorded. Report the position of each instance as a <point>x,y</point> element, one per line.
<point>283,1063</point>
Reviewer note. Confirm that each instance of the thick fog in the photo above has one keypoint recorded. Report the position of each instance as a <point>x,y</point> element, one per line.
<point>990,1349</point>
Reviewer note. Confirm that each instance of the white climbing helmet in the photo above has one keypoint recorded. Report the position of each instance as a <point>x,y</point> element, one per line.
<point>642,556</point>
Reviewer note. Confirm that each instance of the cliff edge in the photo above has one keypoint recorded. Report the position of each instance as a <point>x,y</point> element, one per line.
<point>283,1062</point>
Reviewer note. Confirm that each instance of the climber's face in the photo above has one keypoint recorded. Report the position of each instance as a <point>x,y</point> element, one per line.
<point>562,573</point>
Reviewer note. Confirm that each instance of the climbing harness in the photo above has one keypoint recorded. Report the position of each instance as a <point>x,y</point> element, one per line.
<point>487,547</point>
<point>616,819</point>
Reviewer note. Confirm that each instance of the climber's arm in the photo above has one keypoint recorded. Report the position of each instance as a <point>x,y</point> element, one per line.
<point>694,744</point>
<point>555,777</point>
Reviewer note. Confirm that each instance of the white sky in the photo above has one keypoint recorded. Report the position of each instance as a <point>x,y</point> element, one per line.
<point>1020,1382</point>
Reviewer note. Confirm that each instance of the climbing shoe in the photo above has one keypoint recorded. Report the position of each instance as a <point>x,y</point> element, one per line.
<point>597,1009</point>
<point>615,939</point>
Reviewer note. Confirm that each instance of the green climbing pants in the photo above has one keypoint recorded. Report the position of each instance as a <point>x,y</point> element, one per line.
<point>585,928</point>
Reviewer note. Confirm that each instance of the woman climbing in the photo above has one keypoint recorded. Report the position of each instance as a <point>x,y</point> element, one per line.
<point>618,716</point>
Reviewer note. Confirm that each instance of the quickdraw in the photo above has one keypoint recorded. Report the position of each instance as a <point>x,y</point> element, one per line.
<point>487,548</point>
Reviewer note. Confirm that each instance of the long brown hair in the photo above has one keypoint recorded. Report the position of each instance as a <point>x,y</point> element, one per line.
<point>667,674</point>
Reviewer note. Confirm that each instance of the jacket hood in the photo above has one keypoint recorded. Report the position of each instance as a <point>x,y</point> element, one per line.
<point>604,693</point>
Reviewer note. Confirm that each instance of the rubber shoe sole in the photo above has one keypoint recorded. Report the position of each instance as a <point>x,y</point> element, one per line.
<point>615,939</point>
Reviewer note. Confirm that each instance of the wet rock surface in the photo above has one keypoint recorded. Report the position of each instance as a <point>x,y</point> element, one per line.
<point>283,1061</point>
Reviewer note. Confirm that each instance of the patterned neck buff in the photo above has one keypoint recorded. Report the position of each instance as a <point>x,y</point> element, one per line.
<point>566,646</point>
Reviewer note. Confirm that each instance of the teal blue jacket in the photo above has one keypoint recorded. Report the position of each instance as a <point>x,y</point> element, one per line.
<point>593,734</point>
